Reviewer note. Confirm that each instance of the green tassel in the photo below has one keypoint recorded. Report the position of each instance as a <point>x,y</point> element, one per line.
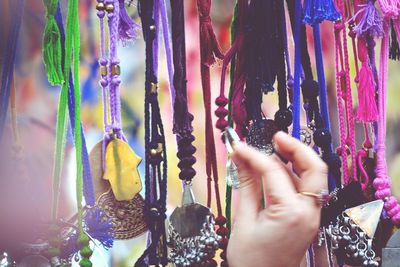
<point>52,52</point>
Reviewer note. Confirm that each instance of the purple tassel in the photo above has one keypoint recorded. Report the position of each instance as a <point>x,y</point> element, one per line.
<point>316,11</point>
<point>371,21</point>
<point>128,28</point>
<point>71,247</point>
<point>99,227</point>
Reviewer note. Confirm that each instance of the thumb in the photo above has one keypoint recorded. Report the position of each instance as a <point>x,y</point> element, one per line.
<point>250,193</point>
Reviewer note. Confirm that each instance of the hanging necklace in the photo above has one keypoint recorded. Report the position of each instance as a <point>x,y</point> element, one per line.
<point>261,74</point>
<point>156,158</point>
<point>192,242</point>
<point>209,49</point>
<point>114,164</point>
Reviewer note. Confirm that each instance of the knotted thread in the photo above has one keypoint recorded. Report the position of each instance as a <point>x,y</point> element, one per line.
<point>382,182</point>
<point>52,45</point>
<point>209,50</point>
<point>370,22</point>
<point>155,164</point>
<point>239,114</point>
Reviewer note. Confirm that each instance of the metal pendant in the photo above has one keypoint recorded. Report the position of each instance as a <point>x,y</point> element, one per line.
<point>121,170</point>
<point>306,136</point>
<point>260,135</point>
<point>127,217</point>
<point>232,178</point>
<point>192,237</point>
<point>353,231</point>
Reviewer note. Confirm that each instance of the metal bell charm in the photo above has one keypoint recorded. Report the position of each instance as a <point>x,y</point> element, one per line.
<point>353,231</point>
<point>192,237</point>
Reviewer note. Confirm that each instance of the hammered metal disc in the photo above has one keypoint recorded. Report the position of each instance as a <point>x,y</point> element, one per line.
<point>188,220</point>
<point>127,216</point>
<point>96,168</point>
<point>260,135</point>
<point>121,170</point>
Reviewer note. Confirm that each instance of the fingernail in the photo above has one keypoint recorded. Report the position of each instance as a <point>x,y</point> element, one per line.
<point>231,139</point>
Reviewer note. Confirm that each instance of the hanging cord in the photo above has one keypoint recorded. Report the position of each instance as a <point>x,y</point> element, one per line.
<point>72,52</point>
<point>96,227</point>
<point>228,193</point>
<point>365,28</point>
<point>382,182</point>
<point>296,26</point>
<point>16,8</point>
<point>209,50</point>
<point>349,106</point>
<point>344,94</point>
<point>339,80</point>
<point>155,150</point>
<point>238,114</point>
<point>283,117</point>
<point>324,131</point>
<point>168,49</point>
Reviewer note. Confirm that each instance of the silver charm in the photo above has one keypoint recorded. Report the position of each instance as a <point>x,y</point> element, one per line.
<point>306,136</point>
<point>192,237</point>
<point>260,136</point>
<point>354,231</point>
<point>232,178</point>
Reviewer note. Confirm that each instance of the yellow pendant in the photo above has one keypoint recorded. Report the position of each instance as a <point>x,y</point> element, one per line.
<point>121,170</point>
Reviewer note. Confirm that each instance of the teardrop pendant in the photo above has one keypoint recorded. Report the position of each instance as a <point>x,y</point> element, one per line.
<point>232,178</point>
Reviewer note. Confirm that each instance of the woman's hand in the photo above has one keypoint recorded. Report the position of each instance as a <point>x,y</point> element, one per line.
<point>279,234</point>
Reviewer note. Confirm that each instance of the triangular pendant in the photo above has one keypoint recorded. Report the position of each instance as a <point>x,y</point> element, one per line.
<point>367,216</point>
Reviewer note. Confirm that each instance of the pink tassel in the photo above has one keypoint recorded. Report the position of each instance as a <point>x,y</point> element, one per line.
<point>367,110</point>
<point>390,8</point>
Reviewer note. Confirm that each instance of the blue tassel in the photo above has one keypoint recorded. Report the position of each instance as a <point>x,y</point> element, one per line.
<point>316,11</point>
<point>99,227</point>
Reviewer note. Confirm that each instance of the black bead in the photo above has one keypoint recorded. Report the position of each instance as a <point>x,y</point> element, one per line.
<point>322,137</point>
<point>310,89</point>
<point>283,118</point>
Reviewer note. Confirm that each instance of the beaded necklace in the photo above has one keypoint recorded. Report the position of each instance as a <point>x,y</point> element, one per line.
<point>209,50</point>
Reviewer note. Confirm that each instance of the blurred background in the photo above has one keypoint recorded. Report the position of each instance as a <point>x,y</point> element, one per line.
<point>25,185</point>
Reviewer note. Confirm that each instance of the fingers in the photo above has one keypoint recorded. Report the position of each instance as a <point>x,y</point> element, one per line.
<point>306,163</point>
<point>252,165</point>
